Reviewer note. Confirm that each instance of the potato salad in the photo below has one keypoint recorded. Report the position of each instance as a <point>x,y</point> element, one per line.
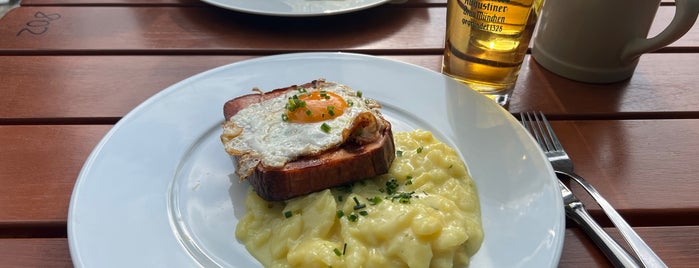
<point>424,212</point>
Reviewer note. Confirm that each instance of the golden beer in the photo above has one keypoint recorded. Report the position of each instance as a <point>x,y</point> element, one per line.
<point>486,41</point>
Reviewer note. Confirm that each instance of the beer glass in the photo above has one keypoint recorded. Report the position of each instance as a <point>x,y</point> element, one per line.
<point>486,41</point>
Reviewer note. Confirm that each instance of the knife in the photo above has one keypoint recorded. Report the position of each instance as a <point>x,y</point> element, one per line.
<point>575,210</point>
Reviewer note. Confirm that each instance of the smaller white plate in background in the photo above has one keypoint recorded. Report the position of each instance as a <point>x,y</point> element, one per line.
<point>297,8</point>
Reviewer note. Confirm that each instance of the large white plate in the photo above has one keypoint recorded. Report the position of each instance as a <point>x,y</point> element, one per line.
<point>157,191</point>
<point>297,8</point>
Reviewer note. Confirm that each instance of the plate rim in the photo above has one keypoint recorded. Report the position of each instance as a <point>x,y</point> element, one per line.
<point>171,89</point>
<point>219,4</point>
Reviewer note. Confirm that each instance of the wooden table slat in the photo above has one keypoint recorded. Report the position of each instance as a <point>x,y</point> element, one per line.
<point>35,252</point>
<point>173,2</point>
<point>678,246</point>
<point>39,167</point>
<point>110,2</point>
<point>201,29</point>
<point>95,86</point>
<point>213,30</point>
<point>621,159</point>
<point>661,84</point>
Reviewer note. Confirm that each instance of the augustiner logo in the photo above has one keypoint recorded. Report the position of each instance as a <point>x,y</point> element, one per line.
<point>485,15</point>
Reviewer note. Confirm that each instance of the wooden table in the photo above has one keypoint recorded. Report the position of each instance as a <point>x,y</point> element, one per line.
<point>70,69</point>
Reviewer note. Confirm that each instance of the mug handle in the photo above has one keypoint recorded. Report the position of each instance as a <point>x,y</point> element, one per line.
<point>686,12</point>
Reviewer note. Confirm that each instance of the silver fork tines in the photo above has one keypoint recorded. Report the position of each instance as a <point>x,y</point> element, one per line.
<point>548,141</point>
<point>541,130</point>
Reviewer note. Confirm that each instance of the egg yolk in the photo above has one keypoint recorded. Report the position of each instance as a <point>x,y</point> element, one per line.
<point>315,106</point>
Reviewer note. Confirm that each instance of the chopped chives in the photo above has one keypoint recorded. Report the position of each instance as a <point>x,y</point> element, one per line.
<point>337,252</point>
<point>352,217</point>
<point>294,102</point>
<point>403,197</point>
<point>391,186</point>
<point>374,200</point>
<point>288,214</point>
<point>324,94</point>
<point>325,128</point>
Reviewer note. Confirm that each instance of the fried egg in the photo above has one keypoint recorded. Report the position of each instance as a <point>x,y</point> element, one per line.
<point>300,122</point>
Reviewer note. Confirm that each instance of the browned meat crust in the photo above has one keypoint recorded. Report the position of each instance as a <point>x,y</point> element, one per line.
<point>349,163</point>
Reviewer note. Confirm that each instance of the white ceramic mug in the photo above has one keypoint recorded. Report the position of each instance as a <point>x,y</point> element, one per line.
<point>600,41</point>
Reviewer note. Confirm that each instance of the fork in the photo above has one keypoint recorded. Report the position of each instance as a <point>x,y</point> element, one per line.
<point>540,128</point>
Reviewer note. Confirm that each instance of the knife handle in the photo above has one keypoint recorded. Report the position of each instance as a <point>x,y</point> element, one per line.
<point>645,254</point>
<point>616,254</point>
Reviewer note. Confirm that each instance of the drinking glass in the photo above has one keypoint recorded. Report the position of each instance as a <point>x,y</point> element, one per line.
<point>486,41</point>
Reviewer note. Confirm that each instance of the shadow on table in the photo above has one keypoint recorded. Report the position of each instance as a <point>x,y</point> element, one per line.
<point>335,32</point>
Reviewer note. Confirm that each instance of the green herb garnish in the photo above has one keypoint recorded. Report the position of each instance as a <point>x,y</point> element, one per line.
<point>419,149</point>
<point>352,217</point>
<point>325,128</point>
<point>288,214</point>
<point>403,197</point>
<point>294,103</point>
<point>391,186</point>
<point>324,94</point>
<point>374,200</point>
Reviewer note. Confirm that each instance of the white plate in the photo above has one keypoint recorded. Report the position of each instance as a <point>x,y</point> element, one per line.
<point>157,191</point>
<point>297,8</point>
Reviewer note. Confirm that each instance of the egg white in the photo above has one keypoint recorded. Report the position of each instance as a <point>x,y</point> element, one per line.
<point>268,138</point>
